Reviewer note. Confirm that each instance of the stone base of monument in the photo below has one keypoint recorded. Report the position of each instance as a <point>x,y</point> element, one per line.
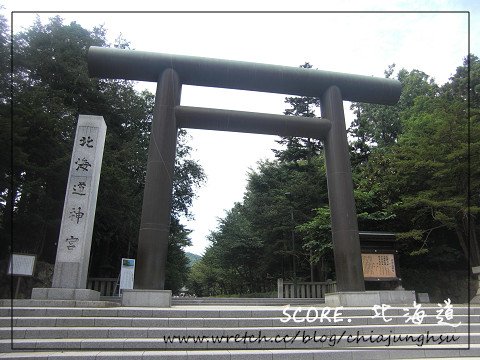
<point>65,294</point>
<point>149,298</point>
<point>370,298</point>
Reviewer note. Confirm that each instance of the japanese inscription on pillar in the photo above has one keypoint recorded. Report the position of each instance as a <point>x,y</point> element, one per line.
<point>80,201</point>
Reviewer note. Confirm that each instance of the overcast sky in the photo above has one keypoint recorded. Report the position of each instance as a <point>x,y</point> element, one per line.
<point>357,43</point>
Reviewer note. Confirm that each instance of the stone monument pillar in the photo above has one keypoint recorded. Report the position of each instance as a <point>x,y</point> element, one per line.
<point>75,239</point>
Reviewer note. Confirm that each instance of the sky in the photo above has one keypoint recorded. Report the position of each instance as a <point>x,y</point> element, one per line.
<point>356,43</point>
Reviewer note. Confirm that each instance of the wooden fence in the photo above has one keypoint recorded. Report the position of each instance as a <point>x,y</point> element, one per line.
<point>106,286</point>
<point>300,289</point>
<point>286,289</point>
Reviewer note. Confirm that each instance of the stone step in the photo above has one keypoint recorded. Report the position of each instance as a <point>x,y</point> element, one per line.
<point>445,353</point>
<point>78,329</point>
<point>247,301</point>
<point>155,332</point>
<point>114,301</point>
<point>83,321</point>
<point>7,303</point>
<point>302,341</point>
<point>212,311</point>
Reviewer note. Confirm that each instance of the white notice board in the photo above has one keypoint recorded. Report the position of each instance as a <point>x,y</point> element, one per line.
<point>127,273</point>
<point>21,264</point>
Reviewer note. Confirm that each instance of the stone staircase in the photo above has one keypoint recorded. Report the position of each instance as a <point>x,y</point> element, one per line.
<point>107,331</point>
<point>180,301</point>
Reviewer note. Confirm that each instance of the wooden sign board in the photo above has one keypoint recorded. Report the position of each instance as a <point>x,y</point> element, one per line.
<point>379,266</point>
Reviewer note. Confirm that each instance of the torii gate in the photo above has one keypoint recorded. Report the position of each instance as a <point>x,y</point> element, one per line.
<point>170,72</point>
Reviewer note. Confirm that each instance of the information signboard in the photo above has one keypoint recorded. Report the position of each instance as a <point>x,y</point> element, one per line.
<point>21,265</point>
<point>127,273</point>
<point>378,266</point>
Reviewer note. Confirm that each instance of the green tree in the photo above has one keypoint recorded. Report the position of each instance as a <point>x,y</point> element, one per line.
<point>276,192</point>
<point>52,87</point>
<point>318,242</point>
<point>253,243</point>
<point>207,278</point>
<point>297,148</point>
<point>50,83</point>
<point>238,248</point>
<point>411,175</point>
<point>432,166</point>
<point>380,125</point>
<point>280,196</point>
<point>5,137</point>
<point>417,183</point>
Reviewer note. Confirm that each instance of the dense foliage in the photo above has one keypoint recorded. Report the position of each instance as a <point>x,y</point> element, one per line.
<point>51,87</point>
<point>415,172</point>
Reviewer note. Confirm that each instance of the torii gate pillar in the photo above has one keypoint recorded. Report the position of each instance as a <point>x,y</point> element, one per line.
<point>346,243</point>
<point>157,196</point>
